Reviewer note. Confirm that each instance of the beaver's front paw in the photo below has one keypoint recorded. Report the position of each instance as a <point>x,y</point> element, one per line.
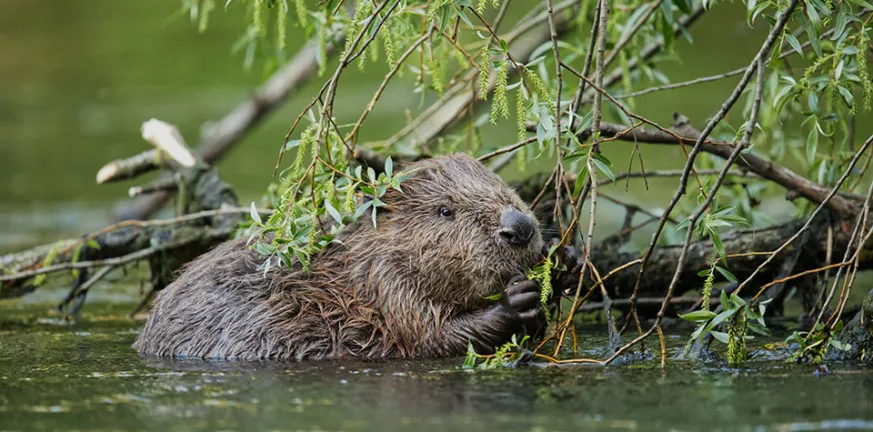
<point>521,301</point>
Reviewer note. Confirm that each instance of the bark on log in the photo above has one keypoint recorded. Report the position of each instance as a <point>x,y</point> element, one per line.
<point>806,255</point>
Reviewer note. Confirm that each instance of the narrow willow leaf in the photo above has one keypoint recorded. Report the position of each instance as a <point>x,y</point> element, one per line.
<point>698,316</point>
<point>720,336</point>
<point>255,215</point>
<point>604,168</point>
<point>793,42</point>
<point>847,95</point>
<point>581,178</point>
<point>389,166</point>
<point>333,213</point>
<point>811,145</point>
<point>727,274</point>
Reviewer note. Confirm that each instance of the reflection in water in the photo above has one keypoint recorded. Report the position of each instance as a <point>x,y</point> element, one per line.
<point>87,376</point>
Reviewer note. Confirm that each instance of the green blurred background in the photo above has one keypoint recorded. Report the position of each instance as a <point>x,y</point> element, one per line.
<point>78,77</point>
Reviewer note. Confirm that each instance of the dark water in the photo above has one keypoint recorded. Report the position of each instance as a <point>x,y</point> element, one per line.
<point>86,377</point>
<point>77,78</point>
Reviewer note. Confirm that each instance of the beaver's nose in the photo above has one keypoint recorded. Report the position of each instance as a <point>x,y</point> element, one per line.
<point>516,228</point>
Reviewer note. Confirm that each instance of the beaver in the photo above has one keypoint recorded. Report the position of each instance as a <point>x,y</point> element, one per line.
<point>421,282</point>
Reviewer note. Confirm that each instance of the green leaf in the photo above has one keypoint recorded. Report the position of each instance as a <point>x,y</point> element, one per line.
<point>264,248</point>
<point>494,297</point>
<point>759,329</point>
<point>360,211</point>
<point>840,26</point>
<point>723,316</point>
<point>698,316</point>
<point>811,145</point>
<point>812,102</point>
<point>727,274</point>
<point>581,178</point>
<point>667,11</point>
<point>666,31</point>
<point>291,144</point>
<point>720,336</point>
<point>750,8</point>
<point>846,94</point>
<point>389,166</point>
<point>698,331</point>
<point>795,44</point>
<point>631,22</point>
<point>682,5</point>
<point>760,7</point>
<point>737,301</point>
<point>333,213</point>
<point>604,168</point>
<point>464,17</point>
<point>814,18</point>
<point>717,244</point>
<point>255,215</point>
<point>444,19</point>
<point>816,44</point>
<point>331,5</point>
<point>839,345</point>
<point>861,3</point>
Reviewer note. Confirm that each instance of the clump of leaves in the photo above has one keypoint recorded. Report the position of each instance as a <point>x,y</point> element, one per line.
<point>542,273</point>
<point>313,204</point>
<point>710,225</point>
<point>812,346</point>
<point>737,330</point>
<point>506,355</point>
<point>740,317</point>
<point>709,274</point>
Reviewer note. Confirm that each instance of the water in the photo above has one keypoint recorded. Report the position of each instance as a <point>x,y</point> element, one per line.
<point>78,78</point>
<point>87,377</point>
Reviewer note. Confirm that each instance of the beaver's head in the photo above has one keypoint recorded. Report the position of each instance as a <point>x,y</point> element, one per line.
<point>456,224</point>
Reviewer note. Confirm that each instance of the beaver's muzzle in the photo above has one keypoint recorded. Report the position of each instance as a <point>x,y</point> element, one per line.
<point>516,228</point>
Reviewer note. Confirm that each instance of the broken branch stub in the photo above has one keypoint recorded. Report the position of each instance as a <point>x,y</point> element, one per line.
<point>170,152</point>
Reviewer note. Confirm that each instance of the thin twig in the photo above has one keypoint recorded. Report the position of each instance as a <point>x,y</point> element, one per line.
<point>117,261</point>
<point>683,181</point>
<point>815,213</point>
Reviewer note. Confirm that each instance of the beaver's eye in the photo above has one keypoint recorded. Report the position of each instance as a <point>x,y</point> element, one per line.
<point>445,212</point>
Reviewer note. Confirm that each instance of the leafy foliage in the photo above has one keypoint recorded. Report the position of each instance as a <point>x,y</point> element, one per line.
<point>739,316</point>
<point>813,345</point>
<point>314,204</point>
<point>504,356</point>
<point>817,83</point>
<point>543,274</point>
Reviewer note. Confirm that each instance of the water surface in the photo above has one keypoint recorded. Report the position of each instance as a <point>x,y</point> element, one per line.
<point>87,377</point>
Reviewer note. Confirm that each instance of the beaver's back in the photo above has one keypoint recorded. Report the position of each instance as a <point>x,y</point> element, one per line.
<point>223,306</point>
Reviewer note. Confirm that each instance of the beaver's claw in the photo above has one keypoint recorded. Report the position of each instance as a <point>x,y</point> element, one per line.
<point>522,300</point>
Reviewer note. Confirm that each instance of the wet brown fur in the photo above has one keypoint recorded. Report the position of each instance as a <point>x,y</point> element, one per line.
<point>413,286</point>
